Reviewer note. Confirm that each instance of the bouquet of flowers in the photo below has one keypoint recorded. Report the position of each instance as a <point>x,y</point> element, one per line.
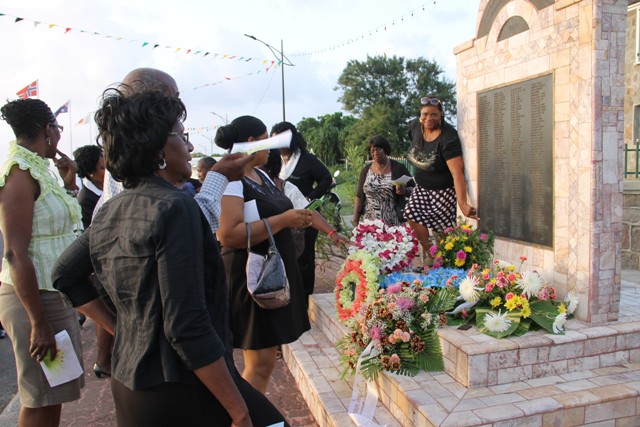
<point>395,246</point>
<point>398,330</point>
<point>462,246</point>
<point>505,301</point>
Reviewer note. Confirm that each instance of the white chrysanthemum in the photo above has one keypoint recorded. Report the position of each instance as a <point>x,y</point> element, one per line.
<point>558,323</point>
<point>572,302</point>
<point>530,283</point>
<point>497,322</point>
<point>469,289</point>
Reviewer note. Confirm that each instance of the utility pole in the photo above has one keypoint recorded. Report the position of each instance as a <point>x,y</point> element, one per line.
<point>282,57</point>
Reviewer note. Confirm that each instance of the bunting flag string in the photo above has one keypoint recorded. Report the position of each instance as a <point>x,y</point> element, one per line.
<point>143,44</point>
<point>272,65</point>
<point>366,34</point>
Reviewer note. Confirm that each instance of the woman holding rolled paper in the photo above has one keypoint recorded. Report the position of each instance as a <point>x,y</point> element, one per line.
<point>258,331</point>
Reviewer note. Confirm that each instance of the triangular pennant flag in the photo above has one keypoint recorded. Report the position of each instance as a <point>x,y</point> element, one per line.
<point>18,20</point>
<point>67,30</point>
<point>144,44</point>
<point>51,26</point>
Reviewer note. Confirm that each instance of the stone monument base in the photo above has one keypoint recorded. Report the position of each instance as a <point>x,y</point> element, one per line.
<point>589,375</point>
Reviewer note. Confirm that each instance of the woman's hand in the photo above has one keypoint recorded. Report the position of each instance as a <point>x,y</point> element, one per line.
<point>299,218</point>
<point>67,169</point>
<point>402,190</point>
<point>43,342</point>
<point>339,239</point>
<point>469,211</point>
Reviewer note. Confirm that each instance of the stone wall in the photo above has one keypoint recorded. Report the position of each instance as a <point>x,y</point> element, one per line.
<point>582,43</point>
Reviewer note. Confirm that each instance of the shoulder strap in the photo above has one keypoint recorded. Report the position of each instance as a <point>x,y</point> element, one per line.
<point>266,223</point>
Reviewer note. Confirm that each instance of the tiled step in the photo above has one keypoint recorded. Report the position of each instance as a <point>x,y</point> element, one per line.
<point>314,363</point>
<point>476,360</point>
<point>599,396</point>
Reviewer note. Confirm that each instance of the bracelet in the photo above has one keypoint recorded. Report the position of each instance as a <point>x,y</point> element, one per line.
<point>72,193</point>
<point>332,232</point>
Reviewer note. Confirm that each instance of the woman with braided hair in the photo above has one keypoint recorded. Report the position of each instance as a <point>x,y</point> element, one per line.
<point>37,219</point>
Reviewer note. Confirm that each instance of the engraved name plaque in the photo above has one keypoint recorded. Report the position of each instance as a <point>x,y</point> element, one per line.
<point>515,161</point>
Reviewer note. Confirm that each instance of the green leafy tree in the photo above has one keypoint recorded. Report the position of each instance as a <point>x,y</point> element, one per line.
<point>385,93</point>
<point>326,136</point>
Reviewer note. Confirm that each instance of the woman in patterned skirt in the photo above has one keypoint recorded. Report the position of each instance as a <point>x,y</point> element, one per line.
<point>376,196</point>
<point>436,153</point>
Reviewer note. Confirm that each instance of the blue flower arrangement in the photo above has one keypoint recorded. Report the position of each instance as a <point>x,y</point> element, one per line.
<point>434,278</point>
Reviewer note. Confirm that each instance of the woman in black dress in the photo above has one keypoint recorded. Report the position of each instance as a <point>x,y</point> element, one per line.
<point>259,331</point>
<point>311,176</point>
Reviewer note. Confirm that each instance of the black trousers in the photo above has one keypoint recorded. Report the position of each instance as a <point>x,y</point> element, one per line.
<point>188,405</point>
<point>307,261</point>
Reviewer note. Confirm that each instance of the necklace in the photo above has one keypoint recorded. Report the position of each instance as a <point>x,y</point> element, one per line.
<point>380,170</point>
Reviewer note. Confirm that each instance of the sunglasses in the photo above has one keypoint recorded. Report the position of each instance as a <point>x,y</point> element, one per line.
<point>429,101</point>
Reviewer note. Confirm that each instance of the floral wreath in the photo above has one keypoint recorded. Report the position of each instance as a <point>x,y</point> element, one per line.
<point>356,284</point>
<point>394,246</point>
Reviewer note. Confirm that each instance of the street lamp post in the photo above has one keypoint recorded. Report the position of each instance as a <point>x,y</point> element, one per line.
<point>226,121</point>
<point>282,57</point>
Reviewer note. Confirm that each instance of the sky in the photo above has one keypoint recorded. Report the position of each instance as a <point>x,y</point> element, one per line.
<point>319,38</point>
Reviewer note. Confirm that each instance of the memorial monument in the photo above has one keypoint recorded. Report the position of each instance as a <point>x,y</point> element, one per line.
<point>540,113</point>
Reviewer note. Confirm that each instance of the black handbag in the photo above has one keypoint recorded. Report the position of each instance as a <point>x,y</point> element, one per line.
<point>267,281</point>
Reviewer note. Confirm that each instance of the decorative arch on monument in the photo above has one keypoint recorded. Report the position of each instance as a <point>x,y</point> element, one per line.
<point>492,10</point>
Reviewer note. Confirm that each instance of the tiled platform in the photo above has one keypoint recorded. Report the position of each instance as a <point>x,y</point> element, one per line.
<point>591,375</point>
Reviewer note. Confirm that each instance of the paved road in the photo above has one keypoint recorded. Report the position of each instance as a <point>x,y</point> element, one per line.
<point>8,387</point>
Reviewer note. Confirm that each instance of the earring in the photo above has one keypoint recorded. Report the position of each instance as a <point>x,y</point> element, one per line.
<point>49,141</point>
<point>162,165</point>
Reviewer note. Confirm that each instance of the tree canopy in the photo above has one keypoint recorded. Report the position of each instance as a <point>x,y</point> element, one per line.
<point>385,93</point>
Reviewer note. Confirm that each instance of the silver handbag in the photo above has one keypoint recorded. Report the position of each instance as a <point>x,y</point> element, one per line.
<point>267,281</point>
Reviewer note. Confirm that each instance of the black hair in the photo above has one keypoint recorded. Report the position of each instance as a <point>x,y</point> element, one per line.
<point>134,130</point>
<point>87,158</point>
<point>380,141</point>
<point>298,142</point>
<point>273,165</point>
<point>208,161</point>
<point>239,130</point>
<point>27,117</point>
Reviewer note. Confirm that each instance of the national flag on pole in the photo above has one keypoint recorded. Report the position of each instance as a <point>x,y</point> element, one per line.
<point>63,109</point>
<point>29,91</point>
<point>83,121</point>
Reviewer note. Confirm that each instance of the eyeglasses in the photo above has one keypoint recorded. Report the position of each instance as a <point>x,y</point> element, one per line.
<point>429,101</point>
<point>184,136</point>
<point>60,128</point>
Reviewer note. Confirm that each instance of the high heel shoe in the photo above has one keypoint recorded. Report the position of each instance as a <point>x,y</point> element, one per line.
<point>100,372</point>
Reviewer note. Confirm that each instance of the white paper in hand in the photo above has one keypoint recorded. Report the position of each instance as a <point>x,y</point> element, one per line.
<point>281,140</point>
<point>66,366</point>
<point>402,180</point>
